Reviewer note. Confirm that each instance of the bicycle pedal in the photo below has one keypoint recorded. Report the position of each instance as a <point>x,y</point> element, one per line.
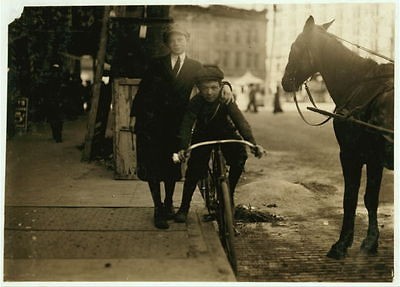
<point>208,217</point>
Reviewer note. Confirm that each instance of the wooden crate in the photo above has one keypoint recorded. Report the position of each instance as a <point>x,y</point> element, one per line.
<point>124,91</point>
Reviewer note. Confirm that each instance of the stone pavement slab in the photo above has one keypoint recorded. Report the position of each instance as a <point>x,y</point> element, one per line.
<point>192,254</point>
<point>38,218</point>
<point>141,269</point>
<point>67,220</point>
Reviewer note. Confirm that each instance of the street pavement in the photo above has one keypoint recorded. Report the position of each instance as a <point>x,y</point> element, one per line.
<point>67,220</point>
<point>71,221</point>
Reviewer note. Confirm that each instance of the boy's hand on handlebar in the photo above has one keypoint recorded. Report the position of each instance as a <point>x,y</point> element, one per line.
<point>182,155</point>
<point>258,151</point>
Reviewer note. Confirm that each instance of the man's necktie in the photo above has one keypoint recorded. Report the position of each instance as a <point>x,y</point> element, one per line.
<point>177,65</point>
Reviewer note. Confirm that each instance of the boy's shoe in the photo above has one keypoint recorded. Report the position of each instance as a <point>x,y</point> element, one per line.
<point>160,219</point>
<point>181,216</point>
<point>170,211</point>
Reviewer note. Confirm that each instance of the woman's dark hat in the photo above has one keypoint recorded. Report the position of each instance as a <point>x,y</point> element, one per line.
<point>209,73</point>
<point>177,29</point>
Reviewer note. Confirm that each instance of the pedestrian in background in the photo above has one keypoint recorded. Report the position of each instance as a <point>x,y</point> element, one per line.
<point>54,90</point>
<point>76,95</point>
<point>277,100</point>
<point>252,105</point>
<point>158,107</point>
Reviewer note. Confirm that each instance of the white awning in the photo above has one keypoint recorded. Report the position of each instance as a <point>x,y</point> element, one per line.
<point>247,79</point>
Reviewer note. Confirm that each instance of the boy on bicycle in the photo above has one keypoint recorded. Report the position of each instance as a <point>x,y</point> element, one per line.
<point>213,121</point>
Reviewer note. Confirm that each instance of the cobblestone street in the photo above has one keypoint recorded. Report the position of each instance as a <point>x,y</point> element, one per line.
<point>294,251</point>
<point>300,181</point>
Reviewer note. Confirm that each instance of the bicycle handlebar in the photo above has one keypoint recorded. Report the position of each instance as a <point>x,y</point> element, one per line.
<point>175,156</point>
<point>194,146</point>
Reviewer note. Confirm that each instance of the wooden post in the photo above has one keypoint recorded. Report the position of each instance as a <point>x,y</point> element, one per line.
<point>124,91</point>
<point>87,152</point>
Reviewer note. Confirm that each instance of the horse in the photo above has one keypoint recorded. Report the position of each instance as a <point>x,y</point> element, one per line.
<point>361,89</point>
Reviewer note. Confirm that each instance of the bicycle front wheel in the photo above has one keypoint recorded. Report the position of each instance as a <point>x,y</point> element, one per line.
<point>226,225</point>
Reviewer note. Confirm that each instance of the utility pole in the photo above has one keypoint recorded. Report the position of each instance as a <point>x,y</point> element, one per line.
<point>271,55</point>
<point>101,54</point>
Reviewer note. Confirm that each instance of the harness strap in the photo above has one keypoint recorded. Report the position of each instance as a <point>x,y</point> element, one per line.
<point>301,114</point>
<point>309,95</point>
<point>364,105</point>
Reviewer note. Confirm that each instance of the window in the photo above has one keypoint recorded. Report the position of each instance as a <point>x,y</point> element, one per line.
<point>238,36</point>
<point>225,60</point>
<point>255,36</point>
<point>217,35</point>
<point>257,61</point>
<point>238,60</point>
<point>225,33</point>
<point>249,33</point>
<point>249,60</point>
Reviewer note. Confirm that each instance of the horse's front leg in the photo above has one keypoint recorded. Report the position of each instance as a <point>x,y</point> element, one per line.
<point>371,200</point>
<point>351,167</point>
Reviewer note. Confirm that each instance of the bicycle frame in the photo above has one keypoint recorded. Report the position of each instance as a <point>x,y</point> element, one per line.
<point>216,173</point>
<point>217,196</point>
<point>220,168</point>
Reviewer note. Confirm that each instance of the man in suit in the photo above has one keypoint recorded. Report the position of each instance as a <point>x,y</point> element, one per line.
<point>159,106</point>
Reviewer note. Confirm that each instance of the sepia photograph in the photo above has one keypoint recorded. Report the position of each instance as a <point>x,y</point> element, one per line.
<point>199,144</point>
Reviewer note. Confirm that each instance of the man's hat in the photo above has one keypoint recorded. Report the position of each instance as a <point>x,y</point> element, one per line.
<point>209,73</point>
<point>177,29</point>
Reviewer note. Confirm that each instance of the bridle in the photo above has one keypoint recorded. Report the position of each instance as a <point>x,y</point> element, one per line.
<point>312,62</point>
<point>312,102</point>
<point>310,97</point>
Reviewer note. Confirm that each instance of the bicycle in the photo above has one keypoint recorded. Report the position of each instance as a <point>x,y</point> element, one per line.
<point>214,189</point>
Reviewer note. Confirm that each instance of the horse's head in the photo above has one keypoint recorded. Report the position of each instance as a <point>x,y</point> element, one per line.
<point>302,61</point>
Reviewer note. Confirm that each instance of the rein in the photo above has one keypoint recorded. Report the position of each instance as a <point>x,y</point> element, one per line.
<point>362,48</point>
<point>313,103</point>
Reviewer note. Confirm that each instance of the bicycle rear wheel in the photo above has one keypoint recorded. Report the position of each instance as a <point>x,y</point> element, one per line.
<point>225,225</point>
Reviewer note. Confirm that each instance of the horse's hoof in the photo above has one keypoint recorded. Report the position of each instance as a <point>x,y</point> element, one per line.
<point>369,248</point>
<point>337,252</point>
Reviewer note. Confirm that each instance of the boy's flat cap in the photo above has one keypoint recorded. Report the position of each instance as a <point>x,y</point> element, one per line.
<point>209,73</point>
<point>175,28</point>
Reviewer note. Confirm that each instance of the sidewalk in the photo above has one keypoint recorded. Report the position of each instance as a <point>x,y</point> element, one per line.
<point>66,220</point>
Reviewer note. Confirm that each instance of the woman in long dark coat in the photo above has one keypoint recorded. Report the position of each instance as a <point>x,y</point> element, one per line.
<point>158,107</point>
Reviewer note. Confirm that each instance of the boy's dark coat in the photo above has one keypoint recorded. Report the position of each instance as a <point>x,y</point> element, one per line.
<point>159,106</point>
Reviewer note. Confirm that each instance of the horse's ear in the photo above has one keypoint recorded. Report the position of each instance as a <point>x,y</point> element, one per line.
<point>309,24</point>
<point>327,25</point>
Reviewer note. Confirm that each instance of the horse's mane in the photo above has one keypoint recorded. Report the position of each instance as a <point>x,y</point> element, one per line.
<point>358,66</point>
<point>346,74</point>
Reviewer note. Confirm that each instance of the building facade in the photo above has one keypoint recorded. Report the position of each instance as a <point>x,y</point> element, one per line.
<point>233,38</point>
